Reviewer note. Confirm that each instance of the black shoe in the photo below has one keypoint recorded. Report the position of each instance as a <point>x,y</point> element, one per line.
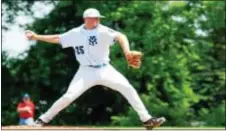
<point>39,123</point>
<point>154,122</point>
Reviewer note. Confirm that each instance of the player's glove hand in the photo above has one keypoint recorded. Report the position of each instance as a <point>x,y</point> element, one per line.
<point>134,59</point>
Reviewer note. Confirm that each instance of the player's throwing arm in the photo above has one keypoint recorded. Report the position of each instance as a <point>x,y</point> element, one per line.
<point>47,38</point>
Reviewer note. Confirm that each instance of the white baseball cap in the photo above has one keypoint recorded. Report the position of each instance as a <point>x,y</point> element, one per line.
<point>93,13</point>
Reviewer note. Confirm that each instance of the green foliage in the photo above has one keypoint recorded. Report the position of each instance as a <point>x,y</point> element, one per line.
<point>214,116</point>
<point>182,76</point>
<point>17,8</point>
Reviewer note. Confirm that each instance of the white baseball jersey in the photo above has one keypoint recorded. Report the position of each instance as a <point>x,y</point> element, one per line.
<point>91,46</point>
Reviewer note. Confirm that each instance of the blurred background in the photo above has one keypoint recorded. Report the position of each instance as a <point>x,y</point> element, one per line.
<point>182,76</point>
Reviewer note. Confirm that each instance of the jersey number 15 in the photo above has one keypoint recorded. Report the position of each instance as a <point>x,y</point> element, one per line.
<point>79,50</point>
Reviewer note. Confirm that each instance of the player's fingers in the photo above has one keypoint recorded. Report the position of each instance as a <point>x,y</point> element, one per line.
<point>29,35</point>
<point>28,32</point>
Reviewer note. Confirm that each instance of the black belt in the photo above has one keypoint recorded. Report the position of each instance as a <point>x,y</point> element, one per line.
<point>97,66</point>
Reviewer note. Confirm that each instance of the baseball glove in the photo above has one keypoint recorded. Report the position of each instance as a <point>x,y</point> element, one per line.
<point>134,59</point>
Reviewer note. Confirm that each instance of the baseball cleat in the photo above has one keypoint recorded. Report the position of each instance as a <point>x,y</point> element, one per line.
<point>154,122</point>
<point>39,123</point>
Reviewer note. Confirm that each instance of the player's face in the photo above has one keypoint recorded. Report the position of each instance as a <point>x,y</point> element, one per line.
<point>26,100</point>
<point>91,22</point>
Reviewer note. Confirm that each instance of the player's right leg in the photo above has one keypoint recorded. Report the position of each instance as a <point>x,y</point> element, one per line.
<point>78,85</point>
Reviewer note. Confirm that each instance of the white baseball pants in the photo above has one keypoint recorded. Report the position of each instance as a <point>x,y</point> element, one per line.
<point>85,78</point>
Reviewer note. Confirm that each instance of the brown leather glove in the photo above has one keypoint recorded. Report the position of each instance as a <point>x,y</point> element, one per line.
<point>134,59</point>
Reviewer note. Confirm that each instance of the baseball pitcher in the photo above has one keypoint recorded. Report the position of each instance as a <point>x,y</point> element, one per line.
<point>91,42</point>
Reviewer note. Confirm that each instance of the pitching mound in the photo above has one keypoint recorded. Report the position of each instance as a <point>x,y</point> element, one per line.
<point>64,128</point>
<point>45,127</point>
<point>77,128</point>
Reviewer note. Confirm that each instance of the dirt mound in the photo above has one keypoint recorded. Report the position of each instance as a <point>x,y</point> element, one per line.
<point>16,127</point>
<point>45,127</point>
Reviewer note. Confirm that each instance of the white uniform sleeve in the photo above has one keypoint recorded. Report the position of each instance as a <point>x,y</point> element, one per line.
<point>113,34</point>
<point>67,39</point>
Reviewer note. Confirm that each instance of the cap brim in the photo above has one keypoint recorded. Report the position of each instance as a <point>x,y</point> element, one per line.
<point>95,16</point>
<point>26,97</point>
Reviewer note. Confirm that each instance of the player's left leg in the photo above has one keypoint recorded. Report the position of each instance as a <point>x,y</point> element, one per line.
<point>118,82</point>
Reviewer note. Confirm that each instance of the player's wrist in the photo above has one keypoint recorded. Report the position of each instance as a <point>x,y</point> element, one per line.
<point>37,37</point>
<point>126,53</point>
